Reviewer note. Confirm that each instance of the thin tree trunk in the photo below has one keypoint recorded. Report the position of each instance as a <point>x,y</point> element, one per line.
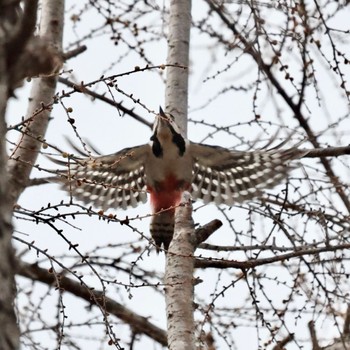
<point>176,91</point>
<point>41,97</point>
<point>16,32</point>
<point>9,334</point>
<point>180,261</point>
<point>179,280</point>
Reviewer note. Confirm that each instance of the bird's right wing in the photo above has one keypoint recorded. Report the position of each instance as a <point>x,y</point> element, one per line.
<point>224,176</point>
<point>114,181</point>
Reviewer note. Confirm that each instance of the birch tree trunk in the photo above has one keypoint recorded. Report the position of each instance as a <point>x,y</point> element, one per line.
<point>180,261</point>
<point>176,90</point>
<point>179,280</point>
<point>20,57</point>
<point>40,102</point>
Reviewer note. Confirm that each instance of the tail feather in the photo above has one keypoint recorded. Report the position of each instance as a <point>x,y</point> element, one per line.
<point>162,229</point>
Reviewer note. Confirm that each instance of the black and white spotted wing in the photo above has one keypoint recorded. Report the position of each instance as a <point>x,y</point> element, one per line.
<point>113,181</point>
<point>224,176</point>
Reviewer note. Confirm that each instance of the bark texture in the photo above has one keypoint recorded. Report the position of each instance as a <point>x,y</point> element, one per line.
<point>179,280</point>
<point>18,46</point>
<point>180,261</point>
<point>40,102</point>
<point>176,93</point>
<point>9,333</point>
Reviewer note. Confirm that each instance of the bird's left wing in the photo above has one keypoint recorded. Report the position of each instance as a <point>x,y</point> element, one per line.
<point>224,176</point>
<point>114,181</point>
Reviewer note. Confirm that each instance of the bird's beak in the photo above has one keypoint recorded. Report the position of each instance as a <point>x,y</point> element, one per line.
<point>161,120</point>
<point>161,112</point>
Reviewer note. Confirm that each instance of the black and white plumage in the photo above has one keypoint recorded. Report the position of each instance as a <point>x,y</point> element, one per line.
<point>112,181</point>
<point>169,165</point>
<point>227,177</point>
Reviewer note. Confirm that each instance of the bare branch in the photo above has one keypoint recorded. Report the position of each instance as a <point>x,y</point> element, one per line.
<point>207,230</point>
<point>222,264</point>
<point>281,344</point>
<point>42,181</point>
<point>103,98</point>
<point>313,335</point>
<point>249,48</point>
<point>138,323</point>
<point>75,52</point>
<point>327,152</point>
<point>346,327</point>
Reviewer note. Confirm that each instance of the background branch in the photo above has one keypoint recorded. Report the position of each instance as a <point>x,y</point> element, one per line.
<point>138,323</point>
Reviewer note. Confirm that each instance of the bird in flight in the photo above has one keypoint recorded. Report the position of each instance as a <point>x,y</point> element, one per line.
<point>169,165</point>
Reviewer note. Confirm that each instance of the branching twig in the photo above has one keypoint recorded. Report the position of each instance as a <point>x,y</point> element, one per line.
<point>103,98</point>
<point>138,323</point>
<point>222,264</point>
<point>296,109</point>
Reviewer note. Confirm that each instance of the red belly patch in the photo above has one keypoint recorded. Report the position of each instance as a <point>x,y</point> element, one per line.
<point>167,193</point>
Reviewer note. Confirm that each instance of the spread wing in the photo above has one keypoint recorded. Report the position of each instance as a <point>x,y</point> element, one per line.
<point>224,176</point>
<point>114,181</point>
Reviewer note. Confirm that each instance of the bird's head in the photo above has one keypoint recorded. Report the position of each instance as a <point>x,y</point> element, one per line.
<point>165,124</point>
<point>166,131</point>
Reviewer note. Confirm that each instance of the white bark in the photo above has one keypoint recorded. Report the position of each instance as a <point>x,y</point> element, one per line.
<point>15,32</point>
<point>42,93</point>
<point>176,93</point>
<point>180,261</point>
<point>179,280</point>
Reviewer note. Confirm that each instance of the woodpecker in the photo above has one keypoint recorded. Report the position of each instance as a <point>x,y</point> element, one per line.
<point>169,165</point>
